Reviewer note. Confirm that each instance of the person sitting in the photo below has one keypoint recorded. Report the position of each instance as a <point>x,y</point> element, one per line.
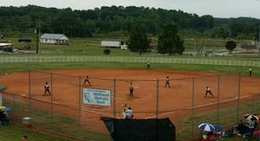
<point>250,129</point>
<point>204,138</point>
<point>241,128</point>
<point>210,136</point>
<point>228,132</point>
<point>2,117</point>
<point>256,133</point>
<point>218,135</point>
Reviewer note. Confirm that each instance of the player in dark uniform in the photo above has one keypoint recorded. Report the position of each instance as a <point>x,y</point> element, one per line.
<point>87,80</point>
<point>47,88</point>
<point>250,71</point>
<point>148,65</point>
<point>208,91</point>
<point>167,82</point>
<point>131,88</point>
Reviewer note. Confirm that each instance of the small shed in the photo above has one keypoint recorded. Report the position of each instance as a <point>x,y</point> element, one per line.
<point>59,39</point>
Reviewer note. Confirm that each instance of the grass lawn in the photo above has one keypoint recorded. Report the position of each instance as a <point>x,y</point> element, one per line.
<point>14,132</point>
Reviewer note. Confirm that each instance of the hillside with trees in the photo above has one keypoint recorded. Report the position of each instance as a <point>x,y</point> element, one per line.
<point>117,21</point>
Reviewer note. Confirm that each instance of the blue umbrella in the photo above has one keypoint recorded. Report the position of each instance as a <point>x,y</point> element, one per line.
<point>206,127</point>
<point>217,127</point>
<point>7,109</point>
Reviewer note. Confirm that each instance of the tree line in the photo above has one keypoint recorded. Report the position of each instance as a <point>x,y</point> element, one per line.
<point>119,21</point>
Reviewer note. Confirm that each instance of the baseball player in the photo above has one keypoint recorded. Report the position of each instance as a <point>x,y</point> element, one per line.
<point>250,71</point>
<point>208,91</point>
<point>167,82</point>
<point>131,88</point>
<point>47,88</point>
<point>124,109</point>
<point>148,65</point>
<point>87,81</point>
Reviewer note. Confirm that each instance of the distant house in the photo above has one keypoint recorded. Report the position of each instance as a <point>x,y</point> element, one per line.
<point>59,39</point>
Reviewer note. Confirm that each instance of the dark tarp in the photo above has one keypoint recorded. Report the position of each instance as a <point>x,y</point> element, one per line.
<point>26,40</point>
<point>140,129</point>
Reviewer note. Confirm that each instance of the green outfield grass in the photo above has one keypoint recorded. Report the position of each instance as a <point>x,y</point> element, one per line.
<point>10,67</point>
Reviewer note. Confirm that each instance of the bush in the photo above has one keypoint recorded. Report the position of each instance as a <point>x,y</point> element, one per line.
<point>107,51</point>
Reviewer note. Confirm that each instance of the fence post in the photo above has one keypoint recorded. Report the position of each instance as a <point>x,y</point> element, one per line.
<point>218,98</point>
<point>29,81</point>
<point>80,94</point>
<point>238,97</point>
<point>192,107</point>
<point>114,98</point>
<point>80,100</point>
<point>253,104</point>
<point>51,96</point>
<point>157,99</point>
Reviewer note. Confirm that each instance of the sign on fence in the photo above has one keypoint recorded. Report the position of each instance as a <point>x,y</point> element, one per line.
<point>96,96</point>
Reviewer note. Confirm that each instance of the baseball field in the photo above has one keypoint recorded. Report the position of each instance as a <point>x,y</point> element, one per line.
<point>151,99</point>
<point>184,102</point>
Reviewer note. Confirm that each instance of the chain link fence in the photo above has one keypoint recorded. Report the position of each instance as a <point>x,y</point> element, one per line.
<point>65,112</point>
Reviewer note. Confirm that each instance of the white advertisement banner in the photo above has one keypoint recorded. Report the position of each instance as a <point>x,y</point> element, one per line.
<point>96,96</point>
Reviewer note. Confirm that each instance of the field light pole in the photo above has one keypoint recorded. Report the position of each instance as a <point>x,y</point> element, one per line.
<point>37,32</point>
<point>37,40</point>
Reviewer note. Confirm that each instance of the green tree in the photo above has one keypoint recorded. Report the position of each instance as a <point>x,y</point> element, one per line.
<point>169,40</point>
<point>138,41</point>
<point>230,46</point>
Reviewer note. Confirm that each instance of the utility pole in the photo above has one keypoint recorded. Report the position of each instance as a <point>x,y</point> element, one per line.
<point>38,32</point>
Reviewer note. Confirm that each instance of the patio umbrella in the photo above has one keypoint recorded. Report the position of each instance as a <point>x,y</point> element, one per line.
<point>217,127</point>
<point>251,117</point>
<point>206,127</point>
<point>7,109</point>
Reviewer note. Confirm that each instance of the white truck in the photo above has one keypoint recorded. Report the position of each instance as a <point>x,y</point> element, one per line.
<point>114,44</point>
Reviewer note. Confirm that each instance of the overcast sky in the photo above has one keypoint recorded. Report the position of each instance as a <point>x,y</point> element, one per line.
<point>216,8</point>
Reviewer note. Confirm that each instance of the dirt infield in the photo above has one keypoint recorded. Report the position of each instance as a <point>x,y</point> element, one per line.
<point>150,98</point>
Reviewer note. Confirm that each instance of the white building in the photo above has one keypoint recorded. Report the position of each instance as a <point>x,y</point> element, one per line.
<point>59,39</point>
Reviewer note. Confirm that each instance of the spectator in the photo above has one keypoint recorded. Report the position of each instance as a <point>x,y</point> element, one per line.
<point>2,117</point>
<point>241,128</point>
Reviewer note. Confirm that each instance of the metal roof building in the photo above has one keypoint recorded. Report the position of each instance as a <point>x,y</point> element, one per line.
<point>59,39</point>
